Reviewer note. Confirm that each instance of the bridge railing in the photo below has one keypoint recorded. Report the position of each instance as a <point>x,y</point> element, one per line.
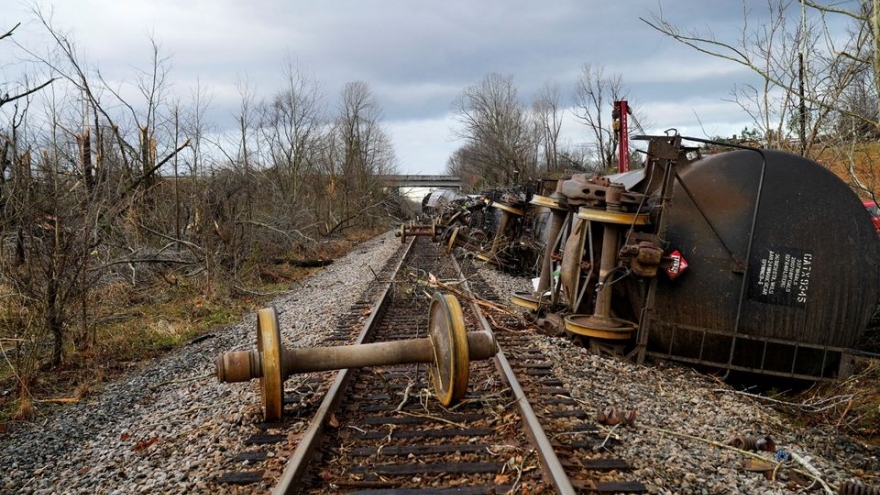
<point>446,181</point>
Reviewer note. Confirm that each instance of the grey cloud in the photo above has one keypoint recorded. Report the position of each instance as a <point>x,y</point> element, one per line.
<point>415,55</point>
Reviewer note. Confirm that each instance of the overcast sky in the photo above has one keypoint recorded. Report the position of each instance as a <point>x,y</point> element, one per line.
<point>416,56</point>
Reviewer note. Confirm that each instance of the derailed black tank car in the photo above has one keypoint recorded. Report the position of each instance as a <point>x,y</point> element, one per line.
<point>750,260</point>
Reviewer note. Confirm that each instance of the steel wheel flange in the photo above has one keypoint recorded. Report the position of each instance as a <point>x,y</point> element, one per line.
<point>452,237</point>
<point>449,371</point>
<point>599,328</point>
<point>269,346</point>
<point>529,301</point>
<point>615,217</point>
<point>546,202</point>
<point>508,209</point>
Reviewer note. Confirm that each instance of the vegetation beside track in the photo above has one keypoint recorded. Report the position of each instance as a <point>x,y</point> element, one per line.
<point>133,324</point>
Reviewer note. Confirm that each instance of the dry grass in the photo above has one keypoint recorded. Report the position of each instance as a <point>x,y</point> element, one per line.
<point>128,325</point>
<point>24,411</point>
<point>853,403</point>
<point>856,166</point>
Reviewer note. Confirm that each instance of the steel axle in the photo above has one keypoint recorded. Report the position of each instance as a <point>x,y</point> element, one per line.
<point>414,229</point>
<point>448,349</point>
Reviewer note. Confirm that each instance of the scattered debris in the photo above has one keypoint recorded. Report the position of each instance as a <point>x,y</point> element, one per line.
<point>764,443</point>
<point>611,416</point>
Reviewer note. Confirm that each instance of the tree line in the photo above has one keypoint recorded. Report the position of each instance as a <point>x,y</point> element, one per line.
<point>102,183</point>
<point>506,139</point>
<point>818,72</point>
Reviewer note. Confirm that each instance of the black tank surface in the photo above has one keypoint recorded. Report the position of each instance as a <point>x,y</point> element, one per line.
<point>780,252</point>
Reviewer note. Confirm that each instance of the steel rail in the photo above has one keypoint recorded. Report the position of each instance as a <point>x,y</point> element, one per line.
<point>298,463</point>
<point>550,463</point>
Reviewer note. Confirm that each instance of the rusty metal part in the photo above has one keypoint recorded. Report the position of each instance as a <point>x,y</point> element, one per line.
<point>452,219</point>
<point>764,443</point>
<point>264,364</point>
<point>453,239</point>
<point>547,202</point>
<point>642,254</point>
<point>488,257</point>
<point>607,264</point>
<point>448,349</point>
<point>552,324</point>
<point>857,488</point>
<point>558,217</point>
<point>463,237</point>
<point>615,217</point>
<point>414,229</point>
<point>570,276</point>
<point>449,367</point>
<point>601,324</point>
<point>508,209</point>
<point>271,379</point>
<point>766,468</point>
<point>611,416</point>
<point>501,239</point>
<point>594,191</point>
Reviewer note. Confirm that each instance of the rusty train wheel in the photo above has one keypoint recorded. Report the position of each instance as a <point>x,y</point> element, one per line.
<point>269,346</point>
<point>449,371</point>
<point>529,301</point>
<point>453,218</point>
<point>599,328</point>
<point>402,234</point>
<point>451,244</point>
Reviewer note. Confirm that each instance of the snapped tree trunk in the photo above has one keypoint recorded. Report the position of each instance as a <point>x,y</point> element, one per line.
<point>55,325</point>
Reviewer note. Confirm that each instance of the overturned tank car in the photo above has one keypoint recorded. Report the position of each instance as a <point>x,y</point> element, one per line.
<point>497,226</point>
<point>750,260</point>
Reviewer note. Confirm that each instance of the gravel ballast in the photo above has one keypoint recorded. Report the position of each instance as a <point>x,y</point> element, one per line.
<point>170,428</point>
<point>683,416</point>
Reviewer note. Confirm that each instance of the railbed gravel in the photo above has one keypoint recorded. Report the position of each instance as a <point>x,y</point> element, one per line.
<point>681,417</point>
<point>168,427</point>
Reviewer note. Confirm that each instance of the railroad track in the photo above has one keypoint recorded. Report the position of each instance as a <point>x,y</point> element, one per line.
<point>382,429</point>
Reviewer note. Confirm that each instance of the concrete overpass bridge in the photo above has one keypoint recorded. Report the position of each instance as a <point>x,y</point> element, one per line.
<point>429,181</point>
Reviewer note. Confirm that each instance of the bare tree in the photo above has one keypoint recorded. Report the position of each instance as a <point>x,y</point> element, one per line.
<point>5,96</point>
<point>85,207</point>
<point>594,95</point>
<point>99,188</point>
<point>498,133</point>
<point>226,209</point>
<point>548,113</point>
<point>465,164</point>
<point>362,151</point>
<point>196,126</point>
<point>805,69</point>
<point>291,124</point>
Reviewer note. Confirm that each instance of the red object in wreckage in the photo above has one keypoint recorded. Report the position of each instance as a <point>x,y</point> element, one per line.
<point>621,128</point>
<point>678,265</point>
